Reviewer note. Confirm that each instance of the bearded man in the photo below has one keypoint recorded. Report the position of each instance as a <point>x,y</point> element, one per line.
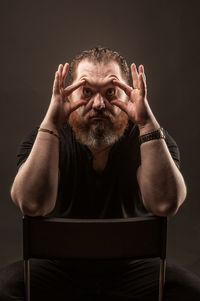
<point>98,153</point>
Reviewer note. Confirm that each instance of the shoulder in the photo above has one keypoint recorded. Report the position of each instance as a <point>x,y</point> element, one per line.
<point>131,130</point>
<point>66,132</point>
<point>25,146</point>
<point>131,135</point>
<point>28,140</point>
<point>173,148</point>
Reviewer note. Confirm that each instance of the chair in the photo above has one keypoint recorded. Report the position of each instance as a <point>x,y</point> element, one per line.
<point>58,238</point>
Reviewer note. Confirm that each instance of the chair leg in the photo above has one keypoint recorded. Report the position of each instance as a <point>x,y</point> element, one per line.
<point>27,278</point>
<point>162,278</point>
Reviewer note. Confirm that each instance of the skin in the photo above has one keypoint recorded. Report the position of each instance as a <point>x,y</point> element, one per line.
<point>99,79</point>
<point>99,91</point>
<point>37,196</point>
<point>161,183</point>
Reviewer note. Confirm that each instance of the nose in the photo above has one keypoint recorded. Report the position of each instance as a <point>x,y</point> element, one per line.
<point>98,102</point>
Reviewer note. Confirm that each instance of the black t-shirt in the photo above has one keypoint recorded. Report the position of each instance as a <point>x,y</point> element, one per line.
<point>85,193</point>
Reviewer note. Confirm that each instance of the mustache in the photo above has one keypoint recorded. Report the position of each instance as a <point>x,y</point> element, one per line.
<point>99,114</point>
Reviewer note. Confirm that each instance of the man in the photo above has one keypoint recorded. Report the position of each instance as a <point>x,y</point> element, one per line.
<point>98,153</point>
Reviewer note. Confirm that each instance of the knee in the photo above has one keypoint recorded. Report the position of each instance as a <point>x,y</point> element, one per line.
<point>11,282</point>
<point>181,284</point>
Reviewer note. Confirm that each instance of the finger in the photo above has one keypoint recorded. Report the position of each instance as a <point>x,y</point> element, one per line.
<point>142,84</point>
<point>64,73</point>
<point>56,83</point>
<point>141,68</point>
<point>120,104</point>
<point>127,89</point>
<point>75,105</point>
<point>109,106</point>
<point>134,75</point>
<point>88,106</point>
<point>60,69</point>
<point>73,87</point>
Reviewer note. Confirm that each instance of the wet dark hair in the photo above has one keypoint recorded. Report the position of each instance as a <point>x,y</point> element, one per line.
<point>99,55</point>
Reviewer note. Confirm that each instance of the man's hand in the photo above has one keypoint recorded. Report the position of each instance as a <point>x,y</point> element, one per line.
<point>137,107</point>
<point>161,183</point>
<point>60,109</point>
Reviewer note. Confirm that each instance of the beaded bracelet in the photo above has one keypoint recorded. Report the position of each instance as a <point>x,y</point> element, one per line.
<point>48,131</point>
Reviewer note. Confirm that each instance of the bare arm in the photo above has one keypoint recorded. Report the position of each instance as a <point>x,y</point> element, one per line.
<point>35,186</point>
<point>161,183</point>
<point>162,186</point>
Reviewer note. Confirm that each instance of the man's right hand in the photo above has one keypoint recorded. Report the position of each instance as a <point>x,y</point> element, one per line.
<point>60,109</point>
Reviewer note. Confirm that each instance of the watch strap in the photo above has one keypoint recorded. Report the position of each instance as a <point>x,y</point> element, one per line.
<point>158,134</point>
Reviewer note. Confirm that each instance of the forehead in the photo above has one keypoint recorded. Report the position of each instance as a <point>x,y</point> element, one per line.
<point>97,73</point>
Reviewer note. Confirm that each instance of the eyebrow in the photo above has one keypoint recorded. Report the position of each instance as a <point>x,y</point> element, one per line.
<point>103,84</point>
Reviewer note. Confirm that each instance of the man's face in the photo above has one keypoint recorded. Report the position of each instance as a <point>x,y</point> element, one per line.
<point>98,124</point>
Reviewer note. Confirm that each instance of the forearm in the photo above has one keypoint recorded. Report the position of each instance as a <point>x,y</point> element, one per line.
<point>162,185</point>
<point>35,186</point>
<point>34,189</point>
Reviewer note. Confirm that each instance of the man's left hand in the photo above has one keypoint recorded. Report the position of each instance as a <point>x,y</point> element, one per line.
<point>137,107</point>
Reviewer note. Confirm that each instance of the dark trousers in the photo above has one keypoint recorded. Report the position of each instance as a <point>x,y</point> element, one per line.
<point>97,280</point>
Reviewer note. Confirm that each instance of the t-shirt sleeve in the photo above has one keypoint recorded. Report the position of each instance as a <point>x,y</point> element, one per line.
<point>26,146</point>
<point>173,149</point>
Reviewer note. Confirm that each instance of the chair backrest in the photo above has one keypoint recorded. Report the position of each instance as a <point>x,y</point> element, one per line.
<point>54,238</point>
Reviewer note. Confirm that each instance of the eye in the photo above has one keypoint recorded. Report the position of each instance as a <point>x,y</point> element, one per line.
<point>87,92</point>
<point>110,92</point>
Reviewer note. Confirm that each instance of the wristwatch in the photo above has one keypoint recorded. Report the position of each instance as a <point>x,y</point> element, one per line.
<point>158,134</point>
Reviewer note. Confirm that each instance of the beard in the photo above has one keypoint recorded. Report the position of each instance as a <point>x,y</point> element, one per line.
<point>98,133</point>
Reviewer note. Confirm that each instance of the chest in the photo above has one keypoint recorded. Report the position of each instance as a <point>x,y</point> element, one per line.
<point>99,162</point>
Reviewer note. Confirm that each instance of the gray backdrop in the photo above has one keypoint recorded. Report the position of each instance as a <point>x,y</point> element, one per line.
<point>163,35</point>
